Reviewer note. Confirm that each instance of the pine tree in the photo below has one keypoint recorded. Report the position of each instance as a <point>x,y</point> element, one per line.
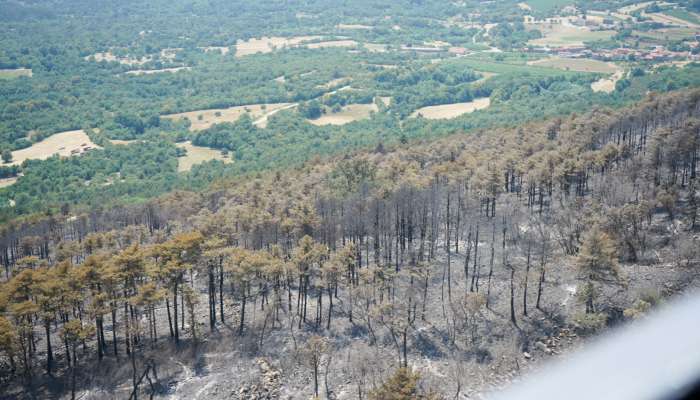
<point>315,348</point>
<point>9,345</point>
<point>597,262</point>
<point>73,333</point>
<point>6,156</point>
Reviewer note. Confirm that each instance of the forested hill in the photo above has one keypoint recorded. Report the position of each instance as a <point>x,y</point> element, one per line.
<point>118,88</point>
<point>447,256</point>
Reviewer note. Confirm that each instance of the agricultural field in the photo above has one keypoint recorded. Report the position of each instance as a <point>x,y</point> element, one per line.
<point>596,18</point>
<point>678,64</point>
<point>203,119</point>
<point>449,111</point>
<point>332,43</point>
<point>565,35</point>
<point>666,34</point>
<point>15,73</point>
<point>634,7</point>
<point>490,69</point>
<point>197,155</point>
<point>348,114</point>
<point>689,20</point>
<point>577,64</point>
<point>684,15</point>
<point>268,44</point>
<point>65,144</point>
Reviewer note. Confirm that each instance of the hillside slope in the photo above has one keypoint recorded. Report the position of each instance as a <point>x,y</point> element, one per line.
<point>469,259</point>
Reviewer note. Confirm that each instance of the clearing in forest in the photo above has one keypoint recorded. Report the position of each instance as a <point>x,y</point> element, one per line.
<point>386,100</point>
<point>122,142</point>
<point>334,83</point>
<point>169,54</point>
<point>607,85</point>
<point>332,43</point>
<point>354,27</point>
<point>484,76</point>
<point>565,35</point>
<point>197,155</point>
<point>65,144</point>
<point>437,43</point>
<point>384,66</point>
<point>5,182</point>
<point>268,44</point>
<point>262,121</point>
<point>375,47</point>
<point>109,57</point>
<point>577,64</point>
<point>448,111</point>
<point>15,73</point>
<point>203,119</point>
<point>348,114</point>
<point>223,50</point>
<point>156,71</point>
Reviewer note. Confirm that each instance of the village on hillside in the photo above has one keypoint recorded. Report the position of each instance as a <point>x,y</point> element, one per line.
<point>641,32</point>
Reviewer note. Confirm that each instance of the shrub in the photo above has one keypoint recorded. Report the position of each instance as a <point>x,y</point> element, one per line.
<point>588,324</point>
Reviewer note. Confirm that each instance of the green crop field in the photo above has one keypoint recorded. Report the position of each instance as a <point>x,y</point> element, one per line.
<point>503,68</point>
<point>548,5</point>
<point>15,73</point>
<point>667,33</point>
<point>684,15</point>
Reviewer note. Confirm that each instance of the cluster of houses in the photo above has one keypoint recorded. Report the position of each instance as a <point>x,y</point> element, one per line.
<point>593,21</point>
<point>605,21</point>
<point>657,53</point>
<point>597,21</point>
